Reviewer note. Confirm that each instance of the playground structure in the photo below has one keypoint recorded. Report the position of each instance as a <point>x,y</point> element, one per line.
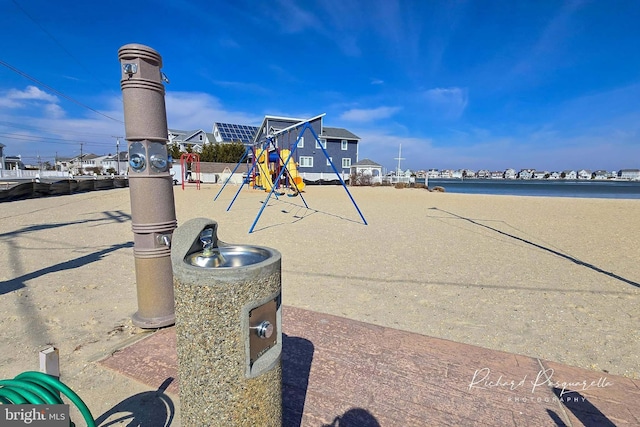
<point>270,165</point>
<point>274,168</point>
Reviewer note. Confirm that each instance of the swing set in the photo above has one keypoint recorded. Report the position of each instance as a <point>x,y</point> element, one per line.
<point>273,169</point>
<point>190,167</point>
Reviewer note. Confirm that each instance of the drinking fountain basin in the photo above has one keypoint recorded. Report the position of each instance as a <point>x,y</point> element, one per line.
<point>228,256</point>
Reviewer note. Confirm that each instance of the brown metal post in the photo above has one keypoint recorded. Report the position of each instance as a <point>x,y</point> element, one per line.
<point>151,186</point>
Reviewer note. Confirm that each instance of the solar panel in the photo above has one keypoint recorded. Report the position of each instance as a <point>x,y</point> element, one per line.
<point>231,132</point>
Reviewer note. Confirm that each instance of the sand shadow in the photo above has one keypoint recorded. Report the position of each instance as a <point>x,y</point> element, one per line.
<point>544,248</point>
<point>582,409</point>
<point>8,286</point>
<point>299,213</point>
<point>110,216</point>
<point>148,409</point>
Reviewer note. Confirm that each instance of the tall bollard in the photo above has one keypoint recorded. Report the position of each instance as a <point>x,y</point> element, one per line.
<point>228,329</point>
<point>151,187</point>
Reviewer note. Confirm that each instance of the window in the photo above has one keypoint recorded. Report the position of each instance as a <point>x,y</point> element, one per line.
<point>323,142</point>
<point>305,162</point>
<point>344,144</point>
<point>301,142</point>
<point>329,160</point>
<point>346,162</point>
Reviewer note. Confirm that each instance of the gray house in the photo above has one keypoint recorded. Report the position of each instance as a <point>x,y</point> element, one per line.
<point>340,146</point>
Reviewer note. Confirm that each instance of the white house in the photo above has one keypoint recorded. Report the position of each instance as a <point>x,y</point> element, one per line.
<point>569,174</point>
<point>600,174</point>
<point>510,174</point>
<point>584,174</point>
<point>526,173</point>
<point>630,174</point>
<point>433,173</point>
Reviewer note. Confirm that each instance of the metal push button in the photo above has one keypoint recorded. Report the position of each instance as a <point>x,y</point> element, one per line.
<point>264,329</point>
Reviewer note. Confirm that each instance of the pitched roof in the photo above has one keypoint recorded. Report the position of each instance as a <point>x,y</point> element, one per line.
<point>366,162</point>
<point>340,133</point>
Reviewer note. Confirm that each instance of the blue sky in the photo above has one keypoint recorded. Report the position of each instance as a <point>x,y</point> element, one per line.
<point>550,85</point>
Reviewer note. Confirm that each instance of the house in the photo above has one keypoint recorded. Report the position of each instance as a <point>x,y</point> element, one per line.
<point>510,174</point>
<point>117,163</point>
<point>540,175</point>
<point>630,174</point>
<point>584,174</point>
<point>192,140</point>
<point>569,174</point>
<point>526,173</point>
<point>228,133</point>
<point>554,175</point>
<point>13,163</point>
<point>600,174</point>
<point>338,144</point>
<point>496,175</point>
<point>433,174</point>
<point>366,172</point>
<point>483,174</point>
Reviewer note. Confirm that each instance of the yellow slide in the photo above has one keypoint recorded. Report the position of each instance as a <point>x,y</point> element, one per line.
<point>293,170</point>
<point>264,174</point>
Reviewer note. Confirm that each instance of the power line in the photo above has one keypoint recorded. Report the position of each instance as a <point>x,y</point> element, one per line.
<point>23,137</point>
<point>57,92</point>
<point>53,130</point>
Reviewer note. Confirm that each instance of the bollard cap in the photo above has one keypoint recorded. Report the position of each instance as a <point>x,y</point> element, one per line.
<point>134,50</point>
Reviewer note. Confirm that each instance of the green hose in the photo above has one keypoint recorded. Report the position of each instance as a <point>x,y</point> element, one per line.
<point>37,388</point>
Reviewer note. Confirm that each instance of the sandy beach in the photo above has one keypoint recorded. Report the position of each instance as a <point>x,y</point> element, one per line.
<point>552,278</point>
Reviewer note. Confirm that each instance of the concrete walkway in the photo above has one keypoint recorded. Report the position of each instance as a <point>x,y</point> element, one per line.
<point>340,372</point>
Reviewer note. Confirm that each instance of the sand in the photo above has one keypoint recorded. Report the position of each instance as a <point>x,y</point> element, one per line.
<point>552,278</point>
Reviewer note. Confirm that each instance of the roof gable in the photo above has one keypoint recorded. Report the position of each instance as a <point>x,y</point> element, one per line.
<point>339,133</point>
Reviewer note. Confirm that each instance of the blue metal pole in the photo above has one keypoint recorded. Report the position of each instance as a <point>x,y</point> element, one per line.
<point>273,187</point>
<point>244,156</point>
<point>291,152</point>
<point>338,175</point>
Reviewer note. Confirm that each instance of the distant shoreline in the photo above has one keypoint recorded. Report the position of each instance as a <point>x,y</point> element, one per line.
<point>607,189</point>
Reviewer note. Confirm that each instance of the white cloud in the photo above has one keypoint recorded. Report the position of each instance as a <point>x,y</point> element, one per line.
<point>447,103</point>
<point>31,93</point>
<point>367,115</point>
<point>54,111</point>
<point>195,110</point>
<point>377,81</point>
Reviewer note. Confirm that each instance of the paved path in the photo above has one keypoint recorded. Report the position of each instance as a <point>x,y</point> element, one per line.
<point>340,372</point>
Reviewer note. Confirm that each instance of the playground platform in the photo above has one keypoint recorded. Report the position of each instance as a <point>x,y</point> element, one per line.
<point>341,372</point>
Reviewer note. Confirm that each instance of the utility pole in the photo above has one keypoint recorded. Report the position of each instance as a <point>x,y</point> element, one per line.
<point>80,169</point>
<point>117,153</point>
